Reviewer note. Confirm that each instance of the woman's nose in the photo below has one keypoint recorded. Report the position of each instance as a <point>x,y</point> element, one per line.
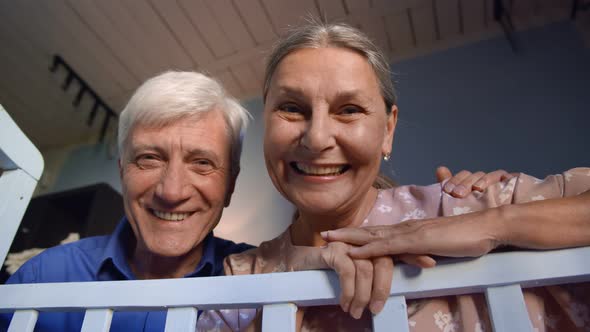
<point>174,185</point>
<point>318,133</point>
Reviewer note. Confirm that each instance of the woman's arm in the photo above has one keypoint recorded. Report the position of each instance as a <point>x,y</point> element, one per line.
<point>534,223</point>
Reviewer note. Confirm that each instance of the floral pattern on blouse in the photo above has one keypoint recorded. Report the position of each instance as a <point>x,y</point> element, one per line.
<point>552,308</point>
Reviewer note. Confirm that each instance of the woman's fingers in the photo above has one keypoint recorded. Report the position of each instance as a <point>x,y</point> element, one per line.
<point>382,277</point>
<point>363,287</point>
<point>490,179</point>
<point>443,173</point>
<point>421,261</point>
<point>455,181</point>
<point>336,257</point>
<point>357,236</point>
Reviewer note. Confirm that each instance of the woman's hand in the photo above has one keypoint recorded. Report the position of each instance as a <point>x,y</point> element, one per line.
<point>468,235</point>
<point>463,183</point>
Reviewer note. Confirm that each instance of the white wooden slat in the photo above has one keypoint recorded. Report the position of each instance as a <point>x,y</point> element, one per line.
<point>247,79</point>
<point>394,316</point>
<point>285,13</point>
<point>399,31</point>
<point>508,311</point>
<point>447,12</point>
<point>331,9</point>
<point>105,70</point>
<point>356,6</point>
<point>183,29</point>
<point>374,27</point>
<point>181,319</point>
<point>279,317</point>
<point>16,151</point>
<point>423,23</point>
<point>97,320</point>
<point>23,321</point>
<point>175,57</point>
<point>229,82</point>
<point>473,16</point>
<point>121,48</point>
<point>527,268</point>
<point>231,23</point>
<point>202,18</point>
<point>255,18</point>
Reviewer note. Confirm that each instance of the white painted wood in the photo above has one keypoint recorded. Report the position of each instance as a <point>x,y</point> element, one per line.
<point>181,319</point>
<point>399,31</point>
<point>97,320</point>
<point>284,13</point>
<point>423,22</point>
<point>23,321</point>
<point>374,27</point>
<point>332,9</point>
<point>473,13</point>
<point>229,82</point>
<point>394,316</point>
<point>231,23</point>
<point>160,37</point>
<point>247,79</point>
<point>508,311</point>
<point>528,268</point>
<point>355,6</point>
<point>188,35</point>
<point>279,317</point>
<point>447,12</point>
<point>256,19</point>
<point>209,28</point>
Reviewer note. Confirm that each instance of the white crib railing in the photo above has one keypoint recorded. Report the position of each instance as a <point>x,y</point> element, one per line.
<point>499,275</point>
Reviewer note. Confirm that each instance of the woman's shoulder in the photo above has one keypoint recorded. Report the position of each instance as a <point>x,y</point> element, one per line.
<point>266,258</point>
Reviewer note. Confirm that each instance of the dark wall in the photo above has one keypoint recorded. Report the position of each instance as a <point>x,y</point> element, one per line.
<point>483,107</point>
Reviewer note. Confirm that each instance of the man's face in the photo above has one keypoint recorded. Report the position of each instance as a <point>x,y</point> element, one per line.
<point>175,181</point>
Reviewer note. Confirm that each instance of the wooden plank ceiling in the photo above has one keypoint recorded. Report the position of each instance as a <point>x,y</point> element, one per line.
<point>116,44</point>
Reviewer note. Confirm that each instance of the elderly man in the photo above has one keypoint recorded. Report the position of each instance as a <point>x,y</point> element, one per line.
<point>180,140</point>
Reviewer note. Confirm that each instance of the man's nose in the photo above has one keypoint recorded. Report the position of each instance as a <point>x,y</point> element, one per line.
<point>318,133</point>
<point>174,185</point>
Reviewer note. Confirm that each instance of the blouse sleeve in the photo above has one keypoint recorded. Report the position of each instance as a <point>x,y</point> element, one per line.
<point>521,189</point>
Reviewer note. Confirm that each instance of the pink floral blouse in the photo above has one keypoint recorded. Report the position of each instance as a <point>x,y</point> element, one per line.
<point>554,308</point>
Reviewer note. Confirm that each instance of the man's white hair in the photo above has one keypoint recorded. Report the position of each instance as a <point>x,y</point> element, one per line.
<point>175,95</point>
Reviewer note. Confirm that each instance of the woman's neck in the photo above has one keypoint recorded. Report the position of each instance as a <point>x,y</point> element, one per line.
<point>306,229</point>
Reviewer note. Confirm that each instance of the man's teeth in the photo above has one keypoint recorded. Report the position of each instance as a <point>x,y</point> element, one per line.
<point>172,216</point>
<point>319,170</point>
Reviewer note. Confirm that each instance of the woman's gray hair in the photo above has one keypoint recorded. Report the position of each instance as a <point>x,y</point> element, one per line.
<point>175,95</point>
<point>316,34</point>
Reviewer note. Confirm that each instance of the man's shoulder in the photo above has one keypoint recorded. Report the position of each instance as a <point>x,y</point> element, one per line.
<point>75,261</point>
<point>227,247</point>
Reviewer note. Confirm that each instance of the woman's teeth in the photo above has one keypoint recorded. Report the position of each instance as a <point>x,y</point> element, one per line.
<point>171,216</point>
<point>319,170</point>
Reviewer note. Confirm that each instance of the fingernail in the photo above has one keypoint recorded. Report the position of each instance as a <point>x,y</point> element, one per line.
<point>479,185</point>
<point>324,235</point>
<point>356,313</point>
<point>460,190</point>
<point>376,307</point>
<point>449,187</point>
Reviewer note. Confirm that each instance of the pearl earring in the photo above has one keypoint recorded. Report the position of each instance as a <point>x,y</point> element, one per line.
<point>386,156</point>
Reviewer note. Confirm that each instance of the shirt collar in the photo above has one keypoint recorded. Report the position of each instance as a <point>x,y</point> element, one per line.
<point>113,264</point>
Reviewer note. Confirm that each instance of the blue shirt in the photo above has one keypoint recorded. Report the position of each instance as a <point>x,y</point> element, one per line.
<point>102,258</point>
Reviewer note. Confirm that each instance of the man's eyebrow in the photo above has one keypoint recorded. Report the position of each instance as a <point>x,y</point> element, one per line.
<point>202,152</point>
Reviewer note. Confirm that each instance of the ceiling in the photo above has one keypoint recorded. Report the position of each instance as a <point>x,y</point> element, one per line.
<point>114,45</point>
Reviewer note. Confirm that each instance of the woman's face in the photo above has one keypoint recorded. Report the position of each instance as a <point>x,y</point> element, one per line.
<point>326,129</point>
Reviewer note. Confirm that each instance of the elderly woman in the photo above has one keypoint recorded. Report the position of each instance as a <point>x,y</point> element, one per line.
<point>330,115</point>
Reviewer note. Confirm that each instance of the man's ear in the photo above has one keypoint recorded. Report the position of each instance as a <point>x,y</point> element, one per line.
<point>389,130</point>
<point>230,187</point>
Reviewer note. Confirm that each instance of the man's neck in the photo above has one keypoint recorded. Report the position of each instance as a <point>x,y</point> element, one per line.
<point>306,229</point>
<point>146,265</point>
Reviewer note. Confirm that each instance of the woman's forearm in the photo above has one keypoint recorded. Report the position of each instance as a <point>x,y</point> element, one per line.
<point>547,224</point>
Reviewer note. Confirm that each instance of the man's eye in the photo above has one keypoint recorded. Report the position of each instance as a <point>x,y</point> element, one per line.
<point>290,108</point>
<point>147,161</point>
<point>348,110</point>
<point>203,165</point>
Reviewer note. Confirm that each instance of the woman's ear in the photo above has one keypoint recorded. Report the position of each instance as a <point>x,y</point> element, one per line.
<point>389,130</point>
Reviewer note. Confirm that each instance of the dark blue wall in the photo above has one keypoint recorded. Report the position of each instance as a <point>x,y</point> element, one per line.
<point>483,107</point>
